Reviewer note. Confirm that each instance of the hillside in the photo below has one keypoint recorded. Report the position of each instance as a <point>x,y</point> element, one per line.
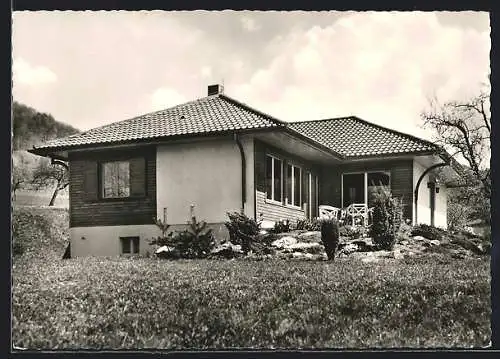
<point>31,127</point>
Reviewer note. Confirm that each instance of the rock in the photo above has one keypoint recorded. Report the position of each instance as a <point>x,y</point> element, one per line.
<point>310,237</point>
<point>396,254</point>
<point>167,252</point>
<point>284,242</point>
<point>267,225</point>
<point>383,254</point>
<point>370,259</point>
<point>419,238</point>
<point>297,255</point>
<point>434,242</point>
<point>308,256</point>
<point>349,248</point>
<point>305,247</point>
<point>164,249</point>
<point>228,245</point>
<point>364,245</point>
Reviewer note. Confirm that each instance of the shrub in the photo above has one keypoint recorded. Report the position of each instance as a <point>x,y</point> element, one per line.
<point>428,232</point>
<point>242,230</point>
<point>308,224</point>
<point>330,236</point>
<point>194,242</point>
<point>164,239</point>
<point>283,226</point>
<point>351,232</point>
<point>387,218</point>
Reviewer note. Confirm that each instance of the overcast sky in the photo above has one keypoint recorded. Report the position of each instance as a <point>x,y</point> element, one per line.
<point>92,68</point>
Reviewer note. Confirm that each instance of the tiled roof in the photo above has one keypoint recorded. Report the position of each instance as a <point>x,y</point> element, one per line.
<point>348,137</point>
<point>354,137</point>
<point>211,114</point>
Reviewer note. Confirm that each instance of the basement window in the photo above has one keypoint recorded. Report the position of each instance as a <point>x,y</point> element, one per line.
<point>129,245</point>
<point>115,179</point>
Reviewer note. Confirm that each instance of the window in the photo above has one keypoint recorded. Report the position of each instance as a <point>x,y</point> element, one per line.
<point>294,185</point>
<point>362,187</point>
<point>130,245</point>
<point>115,179</point>
<point>274,180</point>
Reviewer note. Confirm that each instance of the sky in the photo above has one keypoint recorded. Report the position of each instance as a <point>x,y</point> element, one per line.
<point>89,69</point>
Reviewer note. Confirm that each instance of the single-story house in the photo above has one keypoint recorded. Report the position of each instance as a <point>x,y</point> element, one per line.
<point>218,155</point>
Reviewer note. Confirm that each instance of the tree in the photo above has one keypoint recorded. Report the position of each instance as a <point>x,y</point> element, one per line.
<point>47,174</point>
<point>464,128</point>
<point>22,168</point>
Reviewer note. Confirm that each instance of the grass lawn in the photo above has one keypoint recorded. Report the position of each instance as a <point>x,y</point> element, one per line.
<point>149,303</point>
<point>40,198</point>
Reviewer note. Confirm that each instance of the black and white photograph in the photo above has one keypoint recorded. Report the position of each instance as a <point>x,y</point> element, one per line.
<point>251,180</point>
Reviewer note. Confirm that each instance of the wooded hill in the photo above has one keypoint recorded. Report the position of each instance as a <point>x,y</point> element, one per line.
<point>31,127</point>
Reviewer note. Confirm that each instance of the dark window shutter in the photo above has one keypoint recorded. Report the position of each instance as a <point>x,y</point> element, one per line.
<point>91,181</point>
<point>138,177</point>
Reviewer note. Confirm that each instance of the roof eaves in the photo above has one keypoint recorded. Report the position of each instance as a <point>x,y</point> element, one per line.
<point>390,155</point>
<point>45,151</point>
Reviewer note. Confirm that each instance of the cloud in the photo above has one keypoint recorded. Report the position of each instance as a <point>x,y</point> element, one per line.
<point>249,24</point>
<point>27,74</point>
<point>380,66</point>
<point>293,65</point>
<point>206,71</point>
<point>165,97</point>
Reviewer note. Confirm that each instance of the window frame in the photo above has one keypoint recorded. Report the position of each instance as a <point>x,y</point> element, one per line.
<point>365,183</point>
<point>290,199</point>
<point>101,180</point>
<point>272,199</point>
<point>132,246</point>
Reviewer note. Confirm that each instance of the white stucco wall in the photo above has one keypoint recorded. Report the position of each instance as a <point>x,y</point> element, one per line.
<point>105,240</point>
<point>440,212</point>
<point>424,213</point>
<point>206,174</point>
<point>424,210</point>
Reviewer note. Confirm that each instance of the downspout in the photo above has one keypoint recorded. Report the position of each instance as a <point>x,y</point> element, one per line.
<point>243,173</point>
<point>420,180</point>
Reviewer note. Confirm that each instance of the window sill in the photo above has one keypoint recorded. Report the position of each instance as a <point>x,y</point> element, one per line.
<point>271,201</point>
<point>121,199</point>
<point>281,204</point>
<point>294,207</point>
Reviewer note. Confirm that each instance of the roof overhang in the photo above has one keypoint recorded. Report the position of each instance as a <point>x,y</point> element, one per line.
<point>62,152</point>
<point>296,144</point>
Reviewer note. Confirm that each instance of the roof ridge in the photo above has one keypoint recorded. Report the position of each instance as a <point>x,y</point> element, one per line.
<point>251,109</point>
<point>407,135</point>
<point>324,119</point>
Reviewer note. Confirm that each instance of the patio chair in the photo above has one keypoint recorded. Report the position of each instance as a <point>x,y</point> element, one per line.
<point>328,211</point>
<point>357,210</point>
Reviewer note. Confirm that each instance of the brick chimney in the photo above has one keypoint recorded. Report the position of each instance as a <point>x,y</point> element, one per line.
<point>215,89</point>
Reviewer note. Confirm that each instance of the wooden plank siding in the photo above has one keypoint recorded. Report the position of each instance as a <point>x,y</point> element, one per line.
<point>87,208</point>
<point>275,211</point>
<point>401,171</point>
